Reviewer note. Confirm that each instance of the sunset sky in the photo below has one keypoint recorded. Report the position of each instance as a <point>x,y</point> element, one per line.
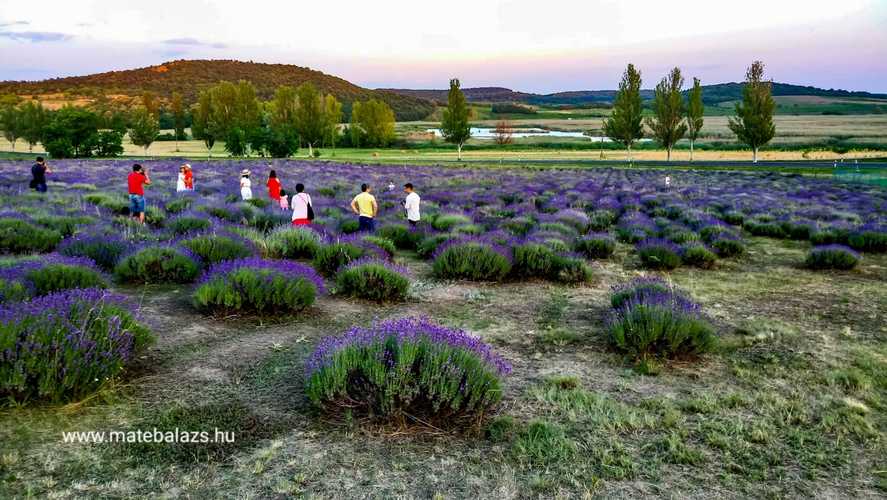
<point>529,45</point>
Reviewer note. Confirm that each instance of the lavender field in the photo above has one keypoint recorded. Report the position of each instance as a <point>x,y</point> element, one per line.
<point>540,333</point>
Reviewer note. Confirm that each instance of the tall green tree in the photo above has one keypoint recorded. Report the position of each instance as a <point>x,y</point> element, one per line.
<point>753,123</point>
<point>33,121</point>
<point>177,107</point>
<point>667,122</point>
<point>11,123</point>
<point>283,138</point>
<point>454,126</point>
<point>332,116</point>
<point>624,124</point>
<point>310,116</point>
<point>71,132</point>
<point>695,110</point>
<point>203,124</point>
<point>229,112</point>
<point>143,128</point>
<point>372,123</point>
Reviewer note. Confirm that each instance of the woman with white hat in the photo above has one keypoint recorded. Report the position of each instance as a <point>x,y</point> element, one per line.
<point>246,191</point>
<point>180,183</point>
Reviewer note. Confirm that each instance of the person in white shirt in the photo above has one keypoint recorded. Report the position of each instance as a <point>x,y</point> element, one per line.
<point>180,182</point>
<point>411,204</point>
<point>300,203</point>
<point>246,191</point>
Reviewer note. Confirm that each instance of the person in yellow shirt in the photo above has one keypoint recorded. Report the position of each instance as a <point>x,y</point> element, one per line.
<point>366,208</point>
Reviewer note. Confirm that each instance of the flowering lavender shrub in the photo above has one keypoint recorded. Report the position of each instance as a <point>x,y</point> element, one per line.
<point>158,264</point>
<point>659,254</point>
<point>19,236</point>
<point>403,237</point>
<point>870,237</point>
<point>293,243</point>
<point>446,222</point>
<point>471,259</point>
<point>648,322</point>
<point>406,367</point>
<point>65,345</point>
<point>384,244</point>
<point>256,285</point>
<point>429,244</point>
<point>65,224</point>
<point>596,245</point>
<point>184,224</point>
<point>328,259</point>
<point>697,255</point>
<point>571,269</point>
<point>104,249</point>
<point>728,245</point>
<point>373,279</point>
<point>832,257</point>
<point>638,288</point>
<point>213,248</point>
<point>533,260</point>
<point>52,273</point>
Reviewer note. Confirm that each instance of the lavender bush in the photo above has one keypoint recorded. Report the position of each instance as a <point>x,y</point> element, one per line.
<point>650,319</point>
<point>258,286</point>
<point>65,345</point>
<point>48,274</point>
<point>832,257</point>
<point>373,279</point>
<point>158,264</point>
<point>406,368</point>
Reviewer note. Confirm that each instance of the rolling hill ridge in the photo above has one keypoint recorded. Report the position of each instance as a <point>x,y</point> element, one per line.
<point>189,77</point>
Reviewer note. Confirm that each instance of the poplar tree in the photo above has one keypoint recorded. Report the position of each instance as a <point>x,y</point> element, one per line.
<point>177,108</point>
<point>753,123</point>
<point>454,126</point>
<point>695,110</point>
<point>143,128</point>
<point>203,124</point>
<point>33,121</point>
<point>310,121</point>
<point>667,122</point>
<point>372,123</point>
<point>625,125</point>
<point>284,137</point>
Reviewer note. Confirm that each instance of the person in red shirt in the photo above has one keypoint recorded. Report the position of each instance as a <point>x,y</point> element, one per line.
<point>189,178</point>
<point>273,186</point>
<point>137,181</point>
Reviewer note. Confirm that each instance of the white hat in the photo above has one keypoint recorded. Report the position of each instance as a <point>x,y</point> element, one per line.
<point>245,172</point>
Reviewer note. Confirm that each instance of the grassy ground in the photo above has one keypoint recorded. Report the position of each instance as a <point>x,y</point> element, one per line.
<point>793,404</point>
<point>800,135</point>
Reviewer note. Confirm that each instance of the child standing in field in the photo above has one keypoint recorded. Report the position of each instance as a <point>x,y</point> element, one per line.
<point>284,202</point>
<point>189,178</point>
<point>246,186</point>
<point>180,182</point>
<point>273,186</point>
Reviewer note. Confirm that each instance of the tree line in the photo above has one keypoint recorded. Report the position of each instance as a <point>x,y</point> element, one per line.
<point>674,118</point>
<point>304,116</point>
<point>226,112</point>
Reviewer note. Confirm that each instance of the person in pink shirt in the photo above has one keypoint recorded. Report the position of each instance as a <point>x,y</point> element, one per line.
<point>284,200</point>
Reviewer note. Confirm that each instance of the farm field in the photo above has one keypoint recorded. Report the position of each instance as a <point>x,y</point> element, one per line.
<point>789,399</point>
<point>807,137</point>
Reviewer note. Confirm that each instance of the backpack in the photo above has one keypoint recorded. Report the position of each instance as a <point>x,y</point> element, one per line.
<point>310,208</point>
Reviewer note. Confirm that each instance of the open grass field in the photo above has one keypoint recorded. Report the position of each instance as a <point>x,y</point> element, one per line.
<point>789,403</point>
<point>809,137</point>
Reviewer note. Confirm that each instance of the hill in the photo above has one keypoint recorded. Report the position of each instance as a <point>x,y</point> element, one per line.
<point>189,77</point>
<point>712,95</point>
